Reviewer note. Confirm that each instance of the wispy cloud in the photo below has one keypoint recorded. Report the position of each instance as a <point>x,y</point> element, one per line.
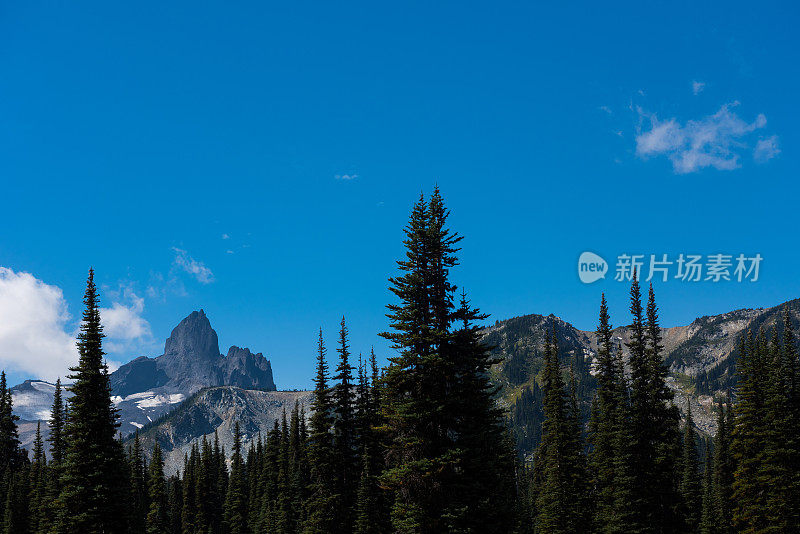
<point>715,141</point>
<point>225,236</point>
<point>697,87</point>
<point>766,149</point>
<point>605,109</point>
<point>346,177</point>
<point>190,265</point>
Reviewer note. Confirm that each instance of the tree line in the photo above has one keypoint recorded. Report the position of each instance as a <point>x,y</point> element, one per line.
<point>637,468</point>
<point>422,446</point>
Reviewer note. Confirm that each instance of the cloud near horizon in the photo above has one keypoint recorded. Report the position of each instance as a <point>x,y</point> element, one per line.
<point>716,141</point>
<point>34,333</point>
<point>38,334</point>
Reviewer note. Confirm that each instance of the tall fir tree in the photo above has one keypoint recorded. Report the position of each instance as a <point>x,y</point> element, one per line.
<point>57,451</point>
<point>93,478</point>
<point>322,504</point>
<point>708,523</point>
<point>662,432</point>
<point>750,483</point>
<point>157,521</point>
<point>38,485</point>
<point>610,440</point>
<point>137,499</point>
<point>12,457</point>
<point>782,454</point>
<point>344,433</point>
<point>236,502</point>
<point>722,476</point>
<point>435,396</point>
<point>691,485</point>
<point>559,505</point>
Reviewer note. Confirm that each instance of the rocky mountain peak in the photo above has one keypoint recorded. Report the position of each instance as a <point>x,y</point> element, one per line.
<point>245,369</point>
<point>193,337</point>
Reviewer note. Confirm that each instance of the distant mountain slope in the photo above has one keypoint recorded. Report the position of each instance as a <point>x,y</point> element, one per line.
<point>219,409</point>
<point>701,357</point>
<point>146,388</point>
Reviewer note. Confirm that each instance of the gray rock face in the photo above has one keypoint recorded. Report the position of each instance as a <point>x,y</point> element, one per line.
<point>247,370</point>
<point>147,388</point>
<point>218,410</point>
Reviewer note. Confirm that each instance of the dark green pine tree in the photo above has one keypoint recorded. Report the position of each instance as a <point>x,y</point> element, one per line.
<point>783,427</point>
<point>723,473</point>
<point>12,457</point>
<point>321,507</point>
<point>16,510</point>
<point>57,452</point>
<point>708,524</point>
<point>236,505</point>
<point>664,432</point>
<point>38,485</point>
<point>748,447</point>
<point>369,510</point>
<point>137,477</point>
<point>157,517</point>
<point>93,478</point>
<point>691,485</point>
<point>646,505</point>
<point>298,467</point>
<point>189,485</point>
<point>433,395</point>
<point>345,434</point>
<point>286,517</point>
<point>410,461</point>
<point>558,506</point>
<point>175,504</point>
<point>487,459</point>
<point>610,440</point>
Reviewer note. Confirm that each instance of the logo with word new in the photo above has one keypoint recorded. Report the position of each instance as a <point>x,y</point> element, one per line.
<point>591,267</point>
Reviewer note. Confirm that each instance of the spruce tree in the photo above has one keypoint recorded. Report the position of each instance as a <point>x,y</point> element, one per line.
<point>558,506</point>
<point>138,505</point>
<point>321,511</point>
<point>57,445</point>
<point>610,440</point>
<point>437,402</point>
<point>157,518</point>
<point>750,484</point>
<point>723,473</point>
<point>344,433</point>
<point>708,523</point>
<point>690,485</point>
<point>662,431</point>
<point>236,501</point>
<point>38,485</point>
<point>782,457</point>
<point>93,479</point>
<point>12,457</point>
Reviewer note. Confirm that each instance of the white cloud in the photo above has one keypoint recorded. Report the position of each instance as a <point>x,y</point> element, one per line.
<point>713,141</point>
<point>190,265</point>
<point>123,323</point>
<point>346,177</point>
<point>605,109</point>
<point>34,333</point>
<point>225,236</point>
<point>697,87</point>
<point>766,149</point>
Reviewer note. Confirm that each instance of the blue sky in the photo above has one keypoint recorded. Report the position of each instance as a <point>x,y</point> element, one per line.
<point>259,161</point>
